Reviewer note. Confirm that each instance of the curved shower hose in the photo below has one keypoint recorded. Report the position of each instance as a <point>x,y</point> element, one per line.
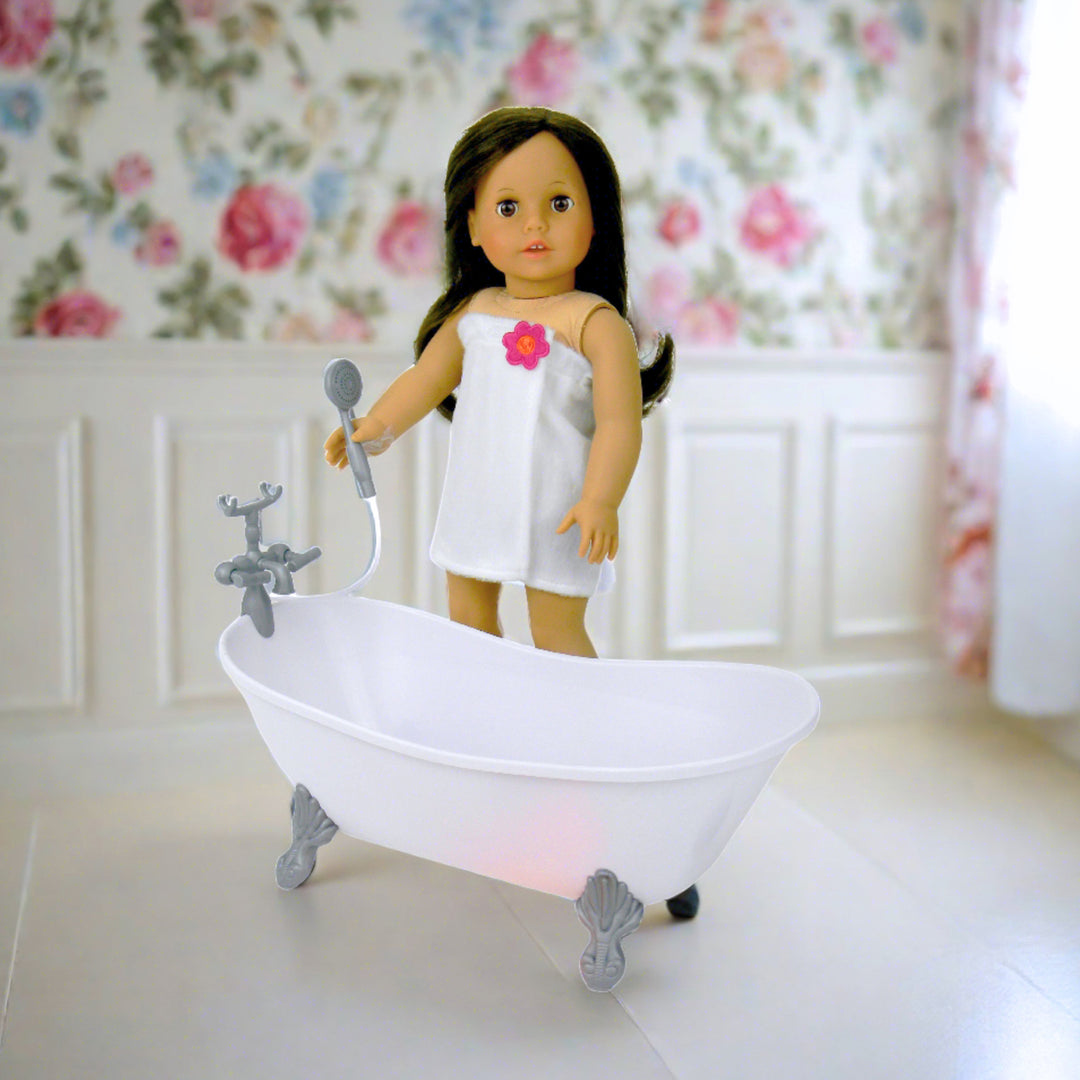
<point>343,386</point>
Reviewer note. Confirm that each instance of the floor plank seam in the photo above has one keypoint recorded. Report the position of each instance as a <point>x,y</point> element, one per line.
<point>24,894</point>
<point>554,963</point>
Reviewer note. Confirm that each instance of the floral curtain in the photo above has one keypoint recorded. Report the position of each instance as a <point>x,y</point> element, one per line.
<point>997,32</point>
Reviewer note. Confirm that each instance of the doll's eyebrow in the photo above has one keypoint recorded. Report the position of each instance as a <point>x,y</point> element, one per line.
<point>553,184</point>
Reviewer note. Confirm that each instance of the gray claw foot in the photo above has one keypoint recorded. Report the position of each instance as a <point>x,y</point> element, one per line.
<point>311,828</point>
<point>611,912</point>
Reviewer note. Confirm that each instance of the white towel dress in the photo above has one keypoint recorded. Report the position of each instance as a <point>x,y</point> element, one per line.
<point>519,445</point>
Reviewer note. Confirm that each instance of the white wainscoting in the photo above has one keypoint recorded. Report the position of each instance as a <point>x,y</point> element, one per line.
<point>785,511</point>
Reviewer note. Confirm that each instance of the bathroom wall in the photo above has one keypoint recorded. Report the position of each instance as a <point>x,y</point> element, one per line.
<point>173,278</point>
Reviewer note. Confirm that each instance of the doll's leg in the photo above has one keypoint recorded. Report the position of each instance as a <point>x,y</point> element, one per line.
<point>558,623</point>
<point>474,603</point>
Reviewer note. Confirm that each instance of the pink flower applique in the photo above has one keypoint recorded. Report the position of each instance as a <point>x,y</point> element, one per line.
<point>526,345</point>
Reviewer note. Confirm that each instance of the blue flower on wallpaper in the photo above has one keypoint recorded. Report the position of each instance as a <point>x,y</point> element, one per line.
<point>692,174</point>
<point>449,26</point>
<point>124,234</point>
<point>327,193</point>
<point>215,175</point>
<point>912,21</point>
<point>21,109</point>
<point>605,51</point>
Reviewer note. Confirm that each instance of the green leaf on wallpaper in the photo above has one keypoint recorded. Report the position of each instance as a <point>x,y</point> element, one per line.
<point>97,201</point>
<point>66,144</point>
<point>141,216</point>
<point>292,51</point>
<point>90,87</point>
<point>323,13</point>
<point>47,280</point>
<point>231,29</point>
<point>842,29</point>
<point>68,260</point>
<point>869,84</point>
<point>368,302</point>
<point>197,307</point>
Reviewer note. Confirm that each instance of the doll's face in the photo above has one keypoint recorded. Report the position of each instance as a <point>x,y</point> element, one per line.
<point>532,217</point>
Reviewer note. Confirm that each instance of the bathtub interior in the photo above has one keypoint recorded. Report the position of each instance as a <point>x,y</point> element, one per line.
<point>419,678</point>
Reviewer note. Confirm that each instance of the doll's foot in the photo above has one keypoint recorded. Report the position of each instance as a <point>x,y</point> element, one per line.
<point>685,905</point>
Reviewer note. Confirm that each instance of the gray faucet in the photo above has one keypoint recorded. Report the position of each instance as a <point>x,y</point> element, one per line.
<point>256,568</point>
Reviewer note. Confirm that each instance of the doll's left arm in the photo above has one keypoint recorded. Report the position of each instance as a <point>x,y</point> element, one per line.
<point>608,343</point>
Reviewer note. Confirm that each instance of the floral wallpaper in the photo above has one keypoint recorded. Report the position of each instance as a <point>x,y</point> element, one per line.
<point>272,169</point>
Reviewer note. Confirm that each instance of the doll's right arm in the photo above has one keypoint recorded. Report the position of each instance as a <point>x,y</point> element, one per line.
<point>408,399</point>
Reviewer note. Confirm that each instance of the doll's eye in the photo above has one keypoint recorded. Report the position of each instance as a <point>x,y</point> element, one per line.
<point>506,208</point>
<point>561,203</point>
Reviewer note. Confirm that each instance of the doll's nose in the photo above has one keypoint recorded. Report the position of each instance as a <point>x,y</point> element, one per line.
<point>535,222</point>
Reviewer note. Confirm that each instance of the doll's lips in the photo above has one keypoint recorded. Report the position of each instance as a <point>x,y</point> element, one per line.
<point>535,249</point>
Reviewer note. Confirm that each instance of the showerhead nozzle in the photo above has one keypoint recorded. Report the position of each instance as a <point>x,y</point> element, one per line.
<point>342,383</point>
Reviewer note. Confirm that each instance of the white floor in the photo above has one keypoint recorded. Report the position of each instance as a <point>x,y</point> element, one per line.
<point>902,902</point>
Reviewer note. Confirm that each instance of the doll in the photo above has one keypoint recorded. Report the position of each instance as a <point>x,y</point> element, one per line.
<point>529,352</point>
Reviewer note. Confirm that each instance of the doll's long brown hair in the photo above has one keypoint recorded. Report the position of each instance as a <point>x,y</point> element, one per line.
<point>603,270</point>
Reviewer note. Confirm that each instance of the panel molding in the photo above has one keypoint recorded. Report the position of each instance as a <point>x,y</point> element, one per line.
<point>66,444</point>
<point>839,631</point>
<point>682,434</point>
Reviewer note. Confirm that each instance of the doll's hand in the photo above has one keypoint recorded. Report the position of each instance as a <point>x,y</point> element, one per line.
<point>599,524</point>
<point>369,431</point>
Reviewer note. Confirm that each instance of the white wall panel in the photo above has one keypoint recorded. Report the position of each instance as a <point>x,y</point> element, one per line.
<point>42,630</point>
<point>729,508</point>
<point>880,530</point>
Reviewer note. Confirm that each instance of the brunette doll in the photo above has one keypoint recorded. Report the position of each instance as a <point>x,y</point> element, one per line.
<point>531,333</point>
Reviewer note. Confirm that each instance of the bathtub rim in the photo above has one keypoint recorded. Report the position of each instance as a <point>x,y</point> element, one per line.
<point>776,748</point>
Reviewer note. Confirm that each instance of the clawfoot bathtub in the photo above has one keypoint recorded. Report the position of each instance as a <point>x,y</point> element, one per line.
<point>609,782</point>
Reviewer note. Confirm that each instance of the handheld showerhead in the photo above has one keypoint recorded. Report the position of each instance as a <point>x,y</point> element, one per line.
<point>342,383</point>
<point>343,386</point>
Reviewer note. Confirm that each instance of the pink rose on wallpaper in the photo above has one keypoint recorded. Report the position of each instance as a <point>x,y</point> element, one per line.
<point>348,326</point>
<point>880,40</point>
<point>708,322</point>
<point>160,245</point>
<point>545,73</point>
<point>773,226</point>
<point>25,28</point>
<point>296,328</point>
<point>714,17</point>
<point>204,9</point>
<point>78,313</point>
<point>763,61</point>
<point>132,174</point>
<point>261,227</point>
<point>408,243</point>
<point>680,222</point>
<point>668,290</point>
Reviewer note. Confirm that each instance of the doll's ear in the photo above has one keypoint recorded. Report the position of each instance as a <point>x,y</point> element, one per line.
<point>472,228</point>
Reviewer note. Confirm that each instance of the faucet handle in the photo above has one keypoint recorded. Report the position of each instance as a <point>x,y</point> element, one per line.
<point>293,559</point>
<point>230,505</point>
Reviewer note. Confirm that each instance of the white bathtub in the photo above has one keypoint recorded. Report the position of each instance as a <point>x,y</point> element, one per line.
<point>433,739</point>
